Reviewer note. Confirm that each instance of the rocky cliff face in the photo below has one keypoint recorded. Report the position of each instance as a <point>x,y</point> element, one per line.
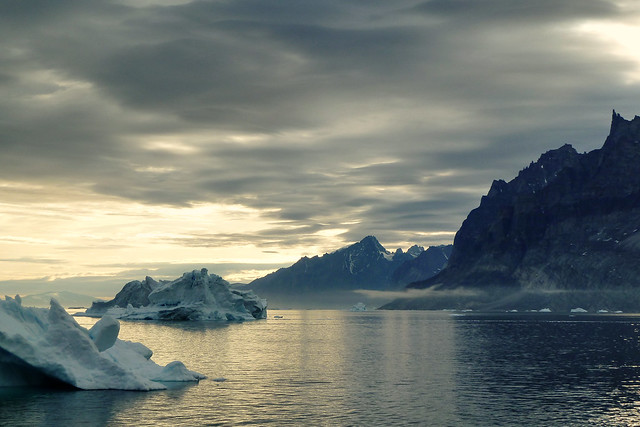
<point>569,221</point>
<point>427,264</point>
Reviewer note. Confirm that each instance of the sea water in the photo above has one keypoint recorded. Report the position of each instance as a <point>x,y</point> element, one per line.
<point>369,368</point>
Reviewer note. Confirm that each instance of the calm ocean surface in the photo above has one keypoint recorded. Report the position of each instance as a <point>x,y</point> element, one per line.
<point>370,368</point>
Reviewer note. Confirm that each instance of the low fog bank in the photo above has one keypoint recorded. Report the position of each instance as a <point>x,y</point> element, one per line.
<point>487,299</point>
<point>505,299</point>
<point>324,300</point>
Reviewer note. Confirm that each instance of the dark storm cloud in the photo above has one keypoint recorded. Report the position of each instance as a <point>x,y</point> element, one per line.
<point>280,235</point>
<point>520,11</point>
<point>386,118</point>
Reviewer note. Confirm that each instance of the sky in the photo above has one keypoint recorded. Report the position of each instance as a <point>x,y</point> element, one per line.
<point>152,137</point>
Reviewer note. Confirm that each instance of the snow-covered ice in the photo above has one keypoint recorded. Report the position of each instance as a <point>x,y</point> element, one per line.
<point>359,307</point>
<point>579,310</point>
<point>197,295</point>
<point>40,346</point>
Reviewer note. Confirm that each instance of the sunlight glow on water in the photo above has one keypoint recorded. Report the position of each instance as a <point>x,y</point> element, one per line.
<point>383,367</point>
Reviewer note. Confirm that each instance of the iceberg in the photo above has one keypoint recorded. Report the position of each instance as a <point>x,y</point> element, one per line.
<point>359,307</point>
<point>40,346</point>
<point>197,295</point>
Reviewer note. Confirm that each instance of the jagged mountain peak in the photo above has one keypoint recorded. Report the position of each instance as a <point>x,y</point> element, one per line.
<point>574,232</point>
<point>624,137</point>
<point>415,250</point>
<point>362,265</point>
<point>620,124</point>
<point>369,245</point>
<point>372,242</point>
<point>539,173</point>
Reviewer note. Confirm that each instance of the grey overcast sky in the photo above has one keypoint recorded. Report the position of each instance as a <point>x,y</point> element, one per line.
<point>155,136</point>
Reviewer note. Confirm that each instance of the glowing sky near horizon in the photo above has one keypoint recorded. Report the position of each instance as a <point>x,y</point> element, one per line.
<point>158,136</point>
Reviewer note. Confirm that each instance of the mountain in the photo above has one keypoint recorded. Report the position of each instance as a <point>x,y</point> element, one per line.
<point>564,231</point>
<point>66,299</point>
<point>363,265</point>
<point>427,264</point>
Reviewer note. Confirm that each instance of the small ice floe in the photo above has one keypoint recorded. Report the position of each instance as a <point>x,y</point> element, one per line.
<point>359,307</point>
<point>603,311</point>
<point>219,379</point>
<point>579,310</point>
<point>544,310</point>
<point>278,317</point>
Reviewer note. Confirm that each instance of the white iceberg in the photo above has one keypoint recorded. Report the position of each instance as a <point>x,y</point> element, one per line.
<point>197,295</point>
<point>579,310</point>
<point>40,346</point>
<point>359,307</point>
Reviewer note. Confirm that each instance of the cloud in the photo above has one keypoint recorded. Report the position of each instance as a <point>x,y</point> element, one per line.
<point>385,118</point>
<point>521,12</point>
<point>107,285</point>
<point>31,260</point>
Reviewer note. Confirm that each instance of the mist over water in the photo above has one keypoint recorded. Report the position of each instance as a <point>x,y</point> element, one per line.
<point>383,367</point>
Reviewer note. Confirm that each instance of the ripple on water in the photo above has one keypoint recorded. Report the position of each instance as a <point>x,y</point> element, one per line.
<point>391,368</point>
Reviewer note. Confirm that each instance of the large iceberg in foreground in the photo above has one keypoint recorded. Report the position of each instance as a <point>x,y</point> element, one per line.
<point>197,295</point>
<point>40,346</point>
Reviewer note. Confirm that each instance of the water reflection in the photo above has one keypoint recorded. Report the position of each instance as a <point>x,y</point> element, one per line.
<point>553,369</point>
<point>48,407</point>
<point>379,368</point>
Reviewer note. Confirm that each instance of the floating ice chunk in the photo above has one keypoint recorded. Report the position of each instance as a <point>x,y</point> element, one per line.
<point>359,307</point>
<point>105,332</point>
<point>44,346</point>
<point>197,295</point>
<point>579,310</point>
<point>544,310</point>
<point>176,371</point>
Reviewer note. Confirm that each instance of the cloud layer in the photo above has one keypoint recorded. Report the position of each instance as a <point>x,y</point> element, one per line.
<point>329,120</point>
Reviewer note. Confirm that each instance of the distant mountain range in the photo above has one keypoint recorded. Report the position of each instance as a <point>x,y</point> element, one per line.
<point>363,265</point>
<point>563,233</point>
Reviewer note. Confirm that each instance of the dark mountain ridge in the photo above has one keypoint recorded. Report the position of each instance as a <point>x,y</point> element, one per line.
<point>363,265</point>
<point>568,221</point>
